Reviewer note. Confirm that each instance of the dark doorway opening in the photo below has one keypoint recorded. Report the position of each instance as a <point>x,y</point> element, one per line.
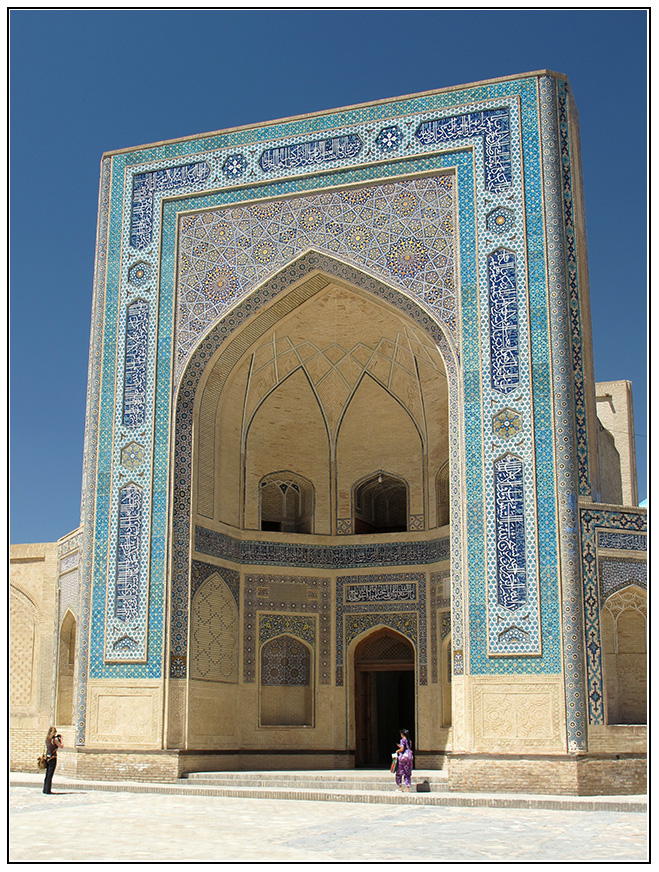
<point>384,696</point>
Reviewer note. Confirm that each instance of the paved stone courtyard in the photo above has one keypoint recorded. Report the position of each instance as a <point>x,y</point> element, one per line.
<point>99,826</point>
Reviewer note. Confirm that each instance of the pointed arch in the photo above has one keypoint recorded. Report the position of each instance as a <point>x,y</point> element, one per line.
<point>22,651</point>
<point>205,374</point>
<point>66,669</point>
<point>380,503</point>
<point>286,682</point>
<point>286,503</point>
<point>214,632</point>
<point>623,623</point>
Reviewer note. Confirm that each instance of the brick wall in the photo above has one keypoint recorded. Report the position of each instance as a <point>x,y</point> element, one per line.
<point>564,776</point>
<point>25,745</point>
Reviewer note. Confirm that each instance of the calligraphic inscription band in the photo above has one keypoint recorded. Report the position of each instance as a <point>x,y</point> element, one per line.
<point>492,125</point>
<point>146,185</point>
<point>504,321</point>
<point>126,624</point>
<point>135,368</point>
<point>361,593</point>
<point>510,545</point>
<point>318,151</point>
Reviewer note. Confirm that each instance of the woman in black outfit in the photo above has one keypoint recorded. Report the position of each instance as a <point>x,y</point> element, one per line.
<point>53,742</point>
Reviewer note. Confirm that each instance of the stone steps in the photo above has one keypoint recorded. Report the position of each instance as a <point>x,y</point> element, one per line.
<point>196,786</point>
<point>354,780</point>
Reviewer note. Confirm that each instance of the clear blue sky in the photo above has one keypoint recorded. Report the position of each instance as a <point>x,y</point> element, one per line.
<point>85,82</point>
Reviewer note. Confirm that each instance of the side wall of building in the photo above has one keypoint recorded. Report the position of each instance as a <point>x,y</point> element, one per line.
<point>32,603</point>
<point>615,411</point>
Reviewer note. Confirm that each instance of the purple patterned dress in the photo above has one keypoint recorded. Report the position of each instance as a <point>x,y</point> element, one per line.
<point>405,761</point>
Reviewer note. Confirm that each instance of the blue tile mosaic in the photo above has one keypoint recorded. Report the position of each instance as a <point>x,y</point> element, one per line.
<point>504,321</point>
<point>479,135</point>
<point>308,154</point>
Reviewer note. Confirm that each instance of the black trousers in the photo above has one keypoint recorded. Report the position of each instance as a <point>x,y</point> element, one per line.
<point>50,771</point>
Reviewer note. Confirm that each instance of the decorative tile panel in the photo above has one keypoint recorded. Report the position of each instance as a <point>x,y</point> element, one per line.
<point>126,618</point>
<point>294,594</point>
<point>492,126</point>
<point>365,601</point>
<point>476,136</point>
<point>504,321</point>
<point>403,230</point>
<point>601,577</point>
<point>622,541</point>
<point>146,185</point>
<point>614,575</point>
<point>307,154</point>
<point>135,364</point>
<point>258,552</point>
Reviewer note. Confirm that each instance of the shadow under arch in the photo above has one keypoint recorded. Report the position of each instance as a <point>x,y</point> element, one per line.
<point>383,666</point>
<point>196,394</point>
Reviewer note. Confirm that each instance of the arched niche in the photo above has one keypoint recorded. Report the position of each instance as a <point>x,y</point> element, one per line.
<point>380,504</point>
<point>286,683</point>
<point>286,503</point>
<point>22,651</point>
<point>623,623</point>
<point>66,669</point>
<point>378,432</point>
<point>258,346</point>
<point>214,632</point>
<point>287,431</point>
<point>384,694</point>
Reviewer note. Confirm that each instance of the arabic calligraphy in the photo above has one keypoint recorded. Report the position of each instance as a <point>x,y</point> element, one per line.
<point>361,593</point>
<point>302,154</point>
<point>146,185</point>
<point>504,321</point>
<point>129,546</point>
<point>510,537</point>
<point>493,125</point>
<point>137,338</point>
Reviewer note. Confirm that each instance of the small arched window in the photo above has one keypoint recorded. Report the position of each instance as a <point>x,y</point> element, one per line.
<point>286,503</point>
<point>381,504</point>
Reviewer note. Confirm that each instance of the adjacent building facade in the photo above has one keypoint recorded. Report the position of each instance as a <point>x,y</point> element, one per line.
<point>346,466</point>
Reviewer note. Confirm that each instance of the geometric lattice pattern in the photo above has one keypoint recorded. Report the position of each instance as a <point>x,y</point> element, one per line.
<point>615,574</point>
<point>21,652</point>
<point>214,628</point>
<point>285,661</point>
<point>403,230</point>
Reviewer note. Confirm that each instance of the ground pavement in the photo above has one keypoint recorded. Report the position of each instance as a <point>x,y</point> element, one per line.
<point>130,822</point>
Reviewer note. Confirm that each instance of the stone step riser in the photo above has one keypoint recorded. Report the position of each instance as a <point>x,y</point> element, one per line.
<point>315,785</point>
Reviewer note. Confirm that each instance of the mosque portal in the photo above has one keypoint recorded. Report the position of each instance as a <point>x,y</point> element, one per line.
<point>346,466</point>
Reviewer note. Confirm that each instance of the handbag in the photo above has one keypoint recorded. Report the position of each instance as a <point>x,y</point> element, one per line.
<point>41,761</point>
<point>394,764</point>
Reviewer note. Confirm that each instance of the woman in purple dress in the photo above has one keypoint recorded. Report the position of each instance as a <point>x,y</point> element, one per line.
<point>405,761</point>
